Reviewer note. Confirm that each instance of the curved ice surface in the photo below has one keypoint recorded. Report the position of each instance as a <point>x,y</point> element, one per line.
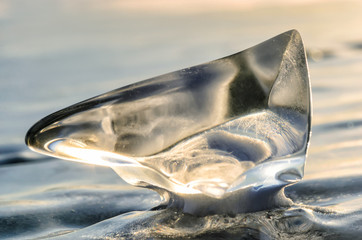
<point>233,128</point>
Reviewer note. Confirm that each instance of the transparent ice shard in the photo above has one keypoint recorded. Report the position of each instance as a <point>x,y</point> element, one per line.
<point>224,136</point>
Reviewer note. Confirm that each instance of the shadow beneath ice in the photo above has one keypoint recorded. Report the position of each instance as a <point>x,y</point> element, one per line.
<point>17,154</point>
<point>317,220</point>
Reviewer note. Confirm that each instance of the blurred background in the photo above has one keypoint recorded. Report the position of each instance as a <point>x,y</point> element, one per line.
<point>56,53</point>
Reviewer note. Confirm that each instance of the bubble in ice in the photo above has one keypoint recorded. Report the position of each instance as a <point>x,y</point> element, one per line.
<point>221,137</point>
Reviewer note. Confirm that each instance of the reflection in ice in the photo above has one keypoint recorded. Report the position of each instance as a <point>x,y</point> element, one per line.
<point>225,136</point>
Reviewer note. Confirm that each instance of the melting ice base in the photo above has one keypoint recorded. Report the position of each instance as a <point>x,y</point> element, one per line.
<point>224,136</point>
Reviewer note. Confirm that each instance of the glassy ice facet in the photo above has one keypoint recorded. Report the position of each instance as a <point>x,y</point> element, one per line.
<point>212,130</point>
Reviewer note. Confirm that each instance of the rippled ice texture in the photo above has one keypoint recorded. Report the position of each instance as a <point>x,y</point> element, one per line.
<point>80,50</point>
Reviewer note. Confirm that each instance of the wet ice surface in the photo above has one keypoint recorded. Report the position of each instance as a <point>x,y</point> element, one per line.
<point>77,198</point>
<point>46,197</point>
